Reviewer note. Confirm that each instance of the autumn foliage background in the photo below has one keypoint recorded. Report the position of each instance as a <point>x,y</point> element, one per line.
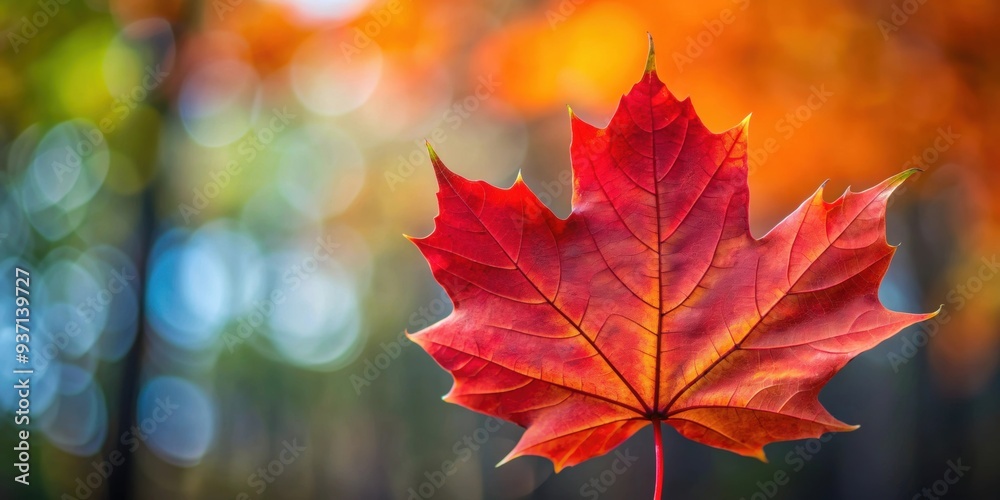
<point>850,91</point>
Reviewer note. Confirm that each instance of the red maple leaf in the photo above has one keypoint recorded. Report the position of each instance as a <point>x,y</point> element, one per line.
<point>652,302</point>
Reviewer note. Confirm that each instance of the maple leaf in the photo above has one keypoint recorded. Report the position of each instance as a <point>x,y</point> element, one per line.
<point>652,301</point>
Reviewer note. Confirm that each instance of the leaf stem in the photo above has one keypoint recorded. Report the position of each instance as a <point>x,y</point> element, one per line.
<point>658,445</point>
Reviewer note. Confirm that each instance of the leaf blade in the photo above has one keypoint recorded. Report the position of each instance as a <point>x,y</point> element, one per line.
<point>652,301</point>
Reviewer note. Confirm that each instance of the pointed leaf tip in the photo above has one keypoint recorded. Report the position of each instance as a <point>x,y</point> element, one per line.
<point>430,151</point>
<point>935,313</point>
<point>895,181</point>
<point>906,174</point>
<point>510,456</point>
<point>440,171</point>
<point>651,57</point>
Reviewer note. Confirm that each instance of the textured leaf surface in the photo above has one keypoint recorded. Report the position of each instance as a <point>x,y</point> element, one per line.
<point>652,301</point>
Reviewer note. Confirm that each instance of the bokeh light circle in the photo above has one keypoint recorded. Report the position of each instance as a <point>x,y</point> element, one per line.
<point>331,80</point>
<point>218,102</point>
<point>177,419</point>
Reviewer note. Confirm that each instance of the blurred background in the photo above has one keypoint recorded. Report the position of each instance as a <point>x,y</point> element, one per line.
<point>210,197</point>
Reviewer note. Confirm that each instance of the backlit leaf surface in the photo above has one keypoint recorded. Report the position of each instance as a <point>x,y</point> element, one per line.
<point>652,302</point>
